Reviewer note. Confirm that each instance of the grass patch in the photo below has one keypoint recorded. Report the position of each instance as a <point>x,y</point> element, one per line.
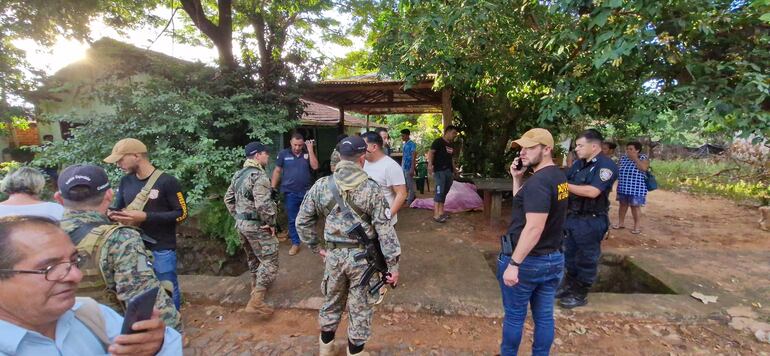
<point>727,179</point>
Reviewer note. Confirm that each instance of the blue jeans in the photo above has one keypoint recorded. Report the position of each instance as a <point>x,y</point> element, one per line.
<point>165,269</point>
<point>539,277</point>
<point>583,246</point>
<point>292,201</point>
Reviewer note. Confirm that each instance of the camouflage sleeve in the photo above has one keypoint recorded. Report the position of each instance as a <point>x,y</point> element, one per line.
<point>308,216</point>
<point>132,272</point>
<point>230,199</point>
<point>389,243</point>
<point>266,208</point>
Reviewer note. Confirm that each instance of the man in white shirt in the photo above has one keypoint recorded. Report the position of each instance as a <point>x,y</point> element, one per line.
<point>386,172</point>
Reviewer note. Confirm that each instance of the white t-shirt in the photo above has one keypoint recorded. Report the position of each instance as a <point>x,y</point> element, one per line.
<point>387,173</point>
<point>44,209</point>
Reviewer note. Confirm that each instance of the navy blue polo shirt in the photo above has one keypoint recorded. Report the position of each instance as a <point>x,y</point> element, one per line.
<point>296,176</point>
<point>599,172</point>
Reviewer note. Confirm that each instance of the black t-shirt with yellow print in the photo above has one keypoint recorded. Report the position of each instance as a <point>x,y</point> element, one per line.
<point>545,191</point>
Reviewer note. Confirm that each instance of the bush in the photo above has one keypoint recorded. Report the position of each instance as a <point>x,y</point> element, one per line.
<point>216,222</point>
<point>715,177</point>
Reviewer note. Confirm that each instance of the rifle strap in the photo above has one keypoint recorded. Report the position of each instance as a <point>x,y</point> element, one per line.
<point>143,196</point>
<point>344,208</point>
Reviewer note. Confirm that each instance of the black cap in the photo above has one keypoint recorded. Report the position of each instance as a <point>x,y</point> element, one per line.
<point>254,147</point>
<point>85,175</point>
<point>351,146</point>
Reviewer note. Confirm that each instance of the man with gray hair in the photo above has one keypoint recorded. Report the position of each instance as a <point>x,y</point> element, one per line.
<point>39,314</point>
<point>24,186</point>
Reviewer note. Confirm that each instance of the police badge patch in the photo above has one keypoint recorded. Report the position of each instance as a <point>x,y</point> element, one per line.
<point>154,193</point>
<point>605,174</point>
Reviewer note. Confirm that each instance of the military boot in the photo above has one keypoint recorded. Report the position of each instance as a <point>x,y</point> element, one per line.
<point>360,353</point>
<point>577,298</point>
<point>257,304</point>
<point>329,349</point>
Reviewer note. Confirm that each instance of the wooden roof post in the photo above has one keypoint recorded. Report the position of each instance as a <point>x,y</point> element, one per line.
<point>341,124</point>
<point>446,106</point>
<point>367,122</point>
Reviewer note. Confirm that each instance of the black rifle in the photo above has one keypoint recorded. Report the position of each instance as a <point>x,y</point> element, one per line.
<point>373,252</point>
<point>374,258</point>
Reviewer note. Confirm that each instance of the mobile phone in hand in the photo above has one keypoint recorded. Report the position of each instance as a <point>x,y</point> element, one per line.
<point>519,164</point>
<point>139,309</point>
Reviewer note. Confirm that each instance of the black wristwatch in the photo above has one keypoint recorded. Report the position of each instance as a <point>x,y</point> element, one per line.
<point>514,263</point>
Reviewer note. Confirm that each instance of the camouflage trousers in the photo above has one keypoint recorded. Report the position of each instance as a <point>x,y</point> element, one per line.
<point>264,249</point>
<point>340,287</point>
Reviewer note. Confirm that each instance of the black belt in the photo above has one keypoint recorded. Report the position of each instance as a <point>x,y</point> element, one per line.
<point>538,253</point>
<point>340,245</point>
<point>585,215</point>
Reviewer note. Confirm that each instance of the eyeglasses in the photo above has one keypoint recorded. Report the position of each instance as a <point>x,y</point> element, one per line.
<point>53,273</point>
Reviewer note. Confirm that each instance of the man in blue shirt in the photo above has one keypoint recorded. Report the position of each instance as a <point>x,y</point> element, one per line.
<point>293,170</point>
<point>408,164</point>
<point>590,180</point>
<point>39,315</point>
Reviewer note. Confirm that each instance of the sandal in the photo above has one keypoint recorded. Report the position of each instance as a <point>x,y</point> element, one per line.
<point>636,231</point>
<point>618,227</point>
<point>440,219</point>
<point>445,216</point>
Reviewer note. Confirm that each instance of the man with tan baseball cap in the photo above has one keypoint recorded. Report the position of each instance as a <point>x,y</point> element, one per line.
<point>531,258</point>
<point>151,199</point>
<point>536,136</point>
<point>124,147</point>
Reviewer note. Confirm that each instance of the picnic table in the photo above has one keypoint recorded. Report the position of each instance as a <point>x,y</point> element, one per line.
<point>493,189</point>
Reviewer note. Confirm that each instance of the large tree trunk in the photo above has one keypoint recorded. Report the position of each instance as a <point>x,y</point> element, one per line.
<point>221,34</point>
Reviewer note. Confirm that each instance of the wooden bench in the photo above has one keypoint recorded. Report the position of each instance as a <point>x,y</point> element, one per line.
<point>492,189</point>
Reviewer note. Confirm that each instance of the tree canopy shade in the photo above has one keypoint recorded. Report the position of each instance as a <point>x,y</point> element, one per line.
<point>671,65</point>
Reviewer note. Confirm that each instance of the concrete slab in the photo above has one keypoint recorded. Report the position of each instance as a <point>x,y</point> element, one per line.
<point>439,274</point>
<point>735,277</point>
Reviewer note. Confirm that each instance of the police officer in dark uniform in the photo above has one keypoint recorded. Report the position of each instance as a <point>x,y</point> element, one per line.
<point>590,180</point>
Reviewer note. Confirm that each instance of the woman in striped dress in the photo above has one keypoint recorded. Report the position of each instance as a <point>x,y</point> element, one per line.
<point>632,185</point>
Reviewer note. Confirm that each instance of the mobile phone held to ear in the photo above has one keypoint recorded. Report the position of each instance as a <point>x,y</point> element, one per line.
<point>139,309</point>
<point>519,164</point>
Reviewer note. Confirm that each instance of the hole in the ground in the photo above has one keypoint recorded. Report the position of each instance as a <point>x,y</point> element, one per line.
<point>617,274</point>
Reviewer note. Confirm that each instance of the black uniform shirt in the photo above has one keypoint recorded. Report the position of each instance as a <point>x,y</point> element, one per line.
<point>600,172</point>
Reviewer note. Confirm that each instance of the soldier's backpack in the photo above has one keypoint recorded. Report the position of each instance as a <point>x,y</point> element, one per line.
<point>89,239</point>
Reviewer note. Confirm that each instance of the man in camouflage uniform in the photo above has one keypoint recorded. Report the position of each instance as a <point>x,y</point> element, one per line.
<point>342,272</point>
<point>118,267</point>
<point>248,201</point>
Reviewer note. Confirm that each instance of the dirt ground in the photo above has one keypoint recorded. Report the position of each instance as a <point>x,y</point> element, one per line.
<point>671,221</point>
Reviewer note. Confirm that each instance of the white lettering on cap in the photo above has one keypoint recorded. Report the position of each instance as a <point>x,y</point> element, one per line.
<point>77,177</point>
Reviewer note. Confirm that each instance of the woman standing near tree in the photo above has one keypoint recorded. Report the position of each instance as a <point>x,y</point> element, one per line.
<point>632,185</point>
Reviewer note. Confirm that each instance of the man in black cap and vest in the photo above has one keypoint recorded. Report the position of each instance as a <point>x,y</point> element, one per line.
<point>248,201</point>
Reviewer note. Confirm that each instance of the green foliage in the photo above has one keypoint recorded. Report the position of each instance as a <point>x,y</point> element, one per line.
<point>215,221</point>
<point>194,128</point>
<point>722,178</point>
<point>355,63</point>
<point>672,69</point>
